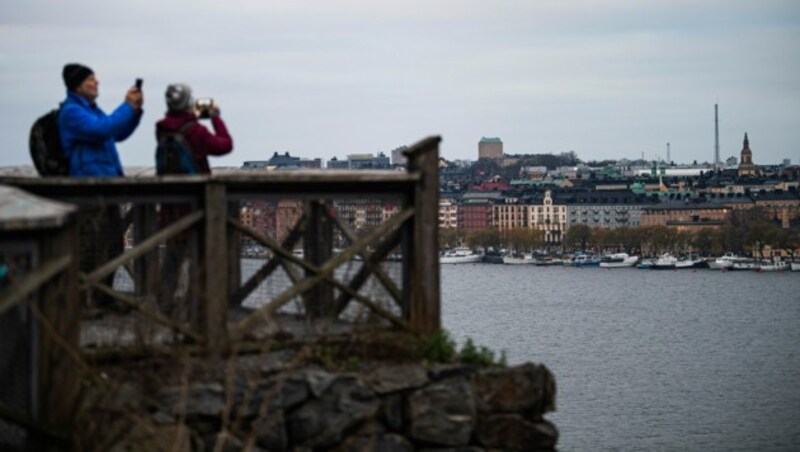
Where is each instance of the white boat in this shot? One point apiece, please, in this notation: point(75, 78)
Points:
point(548, 261)
point(618, 260)
point(744, 264)
point(796, 266)
point(459, 255)
point(517, 259)
point(665, 262)
point(771, 266)
point(725, 262)
point(583, 260)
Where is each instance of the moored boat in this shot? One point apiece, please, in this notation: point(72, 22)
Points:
point(665, 262)
point(771, 266)
point(583, 260)
point(519, 259)
point(795, 266)
point(548, 261)
point(725, 261)
point(744, 264)
point(459, 255)
point(690, 263)
point(618, 260)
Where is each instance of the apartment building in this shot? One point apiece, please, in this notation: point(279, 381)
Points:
point(538, 211)
point(608, 209)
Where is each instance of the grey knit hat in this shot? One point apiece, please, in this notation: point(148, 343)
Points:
point(179, 97)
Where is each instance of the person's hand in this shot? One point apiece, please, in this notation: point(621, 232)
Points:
point(134, 98)
point(213, 112)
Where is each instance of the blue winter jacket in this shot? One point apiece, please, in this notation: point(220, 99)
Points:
point(88, 135)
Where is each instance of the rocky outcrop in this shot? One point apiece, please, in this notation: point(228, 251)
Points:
point(386, 408)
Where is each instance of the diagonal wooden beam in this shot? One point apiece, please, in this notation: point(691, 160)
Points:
point(269, 266)
point(371, 265)
point(31, 282)
point(370, 262)
point(322, 274)
point(147, 245)
point(155, 316)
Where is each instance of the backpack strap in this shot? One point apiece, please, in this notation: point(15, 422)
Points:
point(179, 134)
point(186, 127)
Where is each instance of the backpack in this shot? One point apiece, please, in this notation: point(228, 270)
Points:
point(174, 155)
point(44, 143)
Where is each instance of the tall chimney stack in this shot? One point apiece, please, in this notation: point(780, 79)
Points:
point(716, 137)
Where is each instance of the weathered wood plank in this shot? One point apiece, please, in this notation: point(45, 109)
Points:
point(146, 273)
point(317, 249)
point(20, 210)
point(32, 282)
point(215, 265)
point(425, 309)
point(58, 312)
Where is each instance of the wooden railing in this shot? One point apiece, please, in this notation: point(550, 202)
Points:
point(217, 231)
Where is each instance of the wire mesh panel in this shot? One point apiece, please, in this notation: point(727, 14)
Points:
point(150, 298)
point(292, 240)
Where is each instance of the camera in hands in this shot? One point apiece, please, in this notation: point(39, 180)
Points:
point(204, 107)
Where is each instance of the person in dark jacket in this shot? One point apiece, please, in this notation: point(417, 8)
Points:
point(180, 111)
point(88, 135)
point(202, 143)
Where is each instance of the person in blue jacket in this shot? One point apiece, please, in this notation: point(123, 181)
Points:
point(88, 135)
point(89, 138)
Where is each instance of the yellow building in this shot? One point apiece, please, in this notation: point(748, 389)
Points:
point(538, 212)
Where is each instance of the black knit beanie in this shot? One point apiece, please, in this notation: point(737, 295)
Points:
point(74, 74)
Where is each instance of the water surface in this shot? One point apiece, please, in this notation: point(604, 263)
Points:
point(645, 360)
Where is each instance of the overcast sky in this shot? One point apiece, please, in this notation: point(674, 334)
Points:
point(322, 78)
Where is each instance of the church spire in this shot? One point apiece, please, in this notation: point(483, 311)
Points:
point(746, 141)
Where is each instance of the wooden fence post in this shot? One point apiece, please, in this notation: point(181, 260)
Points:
point(317, 249)
point(146, 269)
point(215, 265)
point(425, 311)
point(234, 239)
point(40, 370)
point(60, 376)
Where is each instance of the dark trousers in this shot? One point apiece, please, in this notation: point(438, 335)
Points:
point(101, 239)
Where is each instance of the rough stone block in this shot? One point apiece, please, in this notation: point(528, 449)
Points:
point(206, 399)
point(383, 443)
point(164, 438)
point(270, 431)
point(323, 422)
point(443, 413)
point(276, 393)
point(392, 412)
point(511, 431)
point(446, 371)
point(386, 379)
point(528, 387)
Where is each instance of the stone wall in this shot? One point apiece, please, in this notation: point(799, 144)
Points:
point(402, 407)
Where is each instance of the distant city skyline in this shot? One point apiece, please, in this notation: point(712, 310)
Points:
point(607, 80)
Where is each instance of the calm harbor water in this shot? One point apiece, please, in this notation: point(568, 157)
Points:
point(645, 360)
